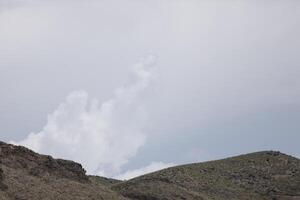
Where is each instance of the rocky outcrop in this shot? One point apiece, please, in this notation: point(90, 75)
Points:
point(26, 175)
point(18, 157)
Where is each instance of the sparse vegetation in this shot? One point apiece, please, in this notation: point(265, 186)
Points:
point(262, 175)
point(25, 175)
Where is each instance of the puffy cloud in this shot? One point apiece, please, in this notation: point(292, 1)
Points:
point(228, 70)
point(103, 137)
point(154, 166)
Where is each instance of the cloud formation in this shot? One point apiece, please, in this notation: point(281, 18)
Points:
point(228, 70)
point(103, 137)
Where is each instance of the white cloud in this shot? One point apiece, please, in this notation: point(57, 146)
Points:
point(223, 62)
point(103, 137)
point(154, 166)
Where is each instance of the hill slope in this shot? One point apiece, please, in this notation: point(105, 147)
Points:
point(25, 175)
point(262, 175)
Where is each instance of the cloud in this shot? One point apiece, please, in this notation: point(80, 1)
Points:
point(228, 70)
point(103, 137)
point(154, 166)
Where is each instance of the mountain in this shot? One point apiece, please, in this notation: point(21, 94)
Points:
point(262, 175)
point(26, 175)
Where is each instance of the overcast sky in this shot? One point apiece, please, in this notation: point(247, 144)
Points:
point(174, 81)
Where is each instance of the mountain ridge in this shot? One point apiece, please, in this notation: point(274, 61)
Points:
point(272, 175)
point(259, 175)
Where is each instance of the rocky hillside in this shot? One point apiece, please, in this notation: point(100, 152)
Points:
point(26, 175)
point(262, 175)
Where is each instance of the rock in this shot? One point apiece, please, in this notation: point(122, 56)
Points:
point(3, 187)
point(26, 175)
point(19, 157)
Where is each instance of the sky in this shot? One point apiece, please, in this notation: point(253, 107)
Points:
point(126, 87)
